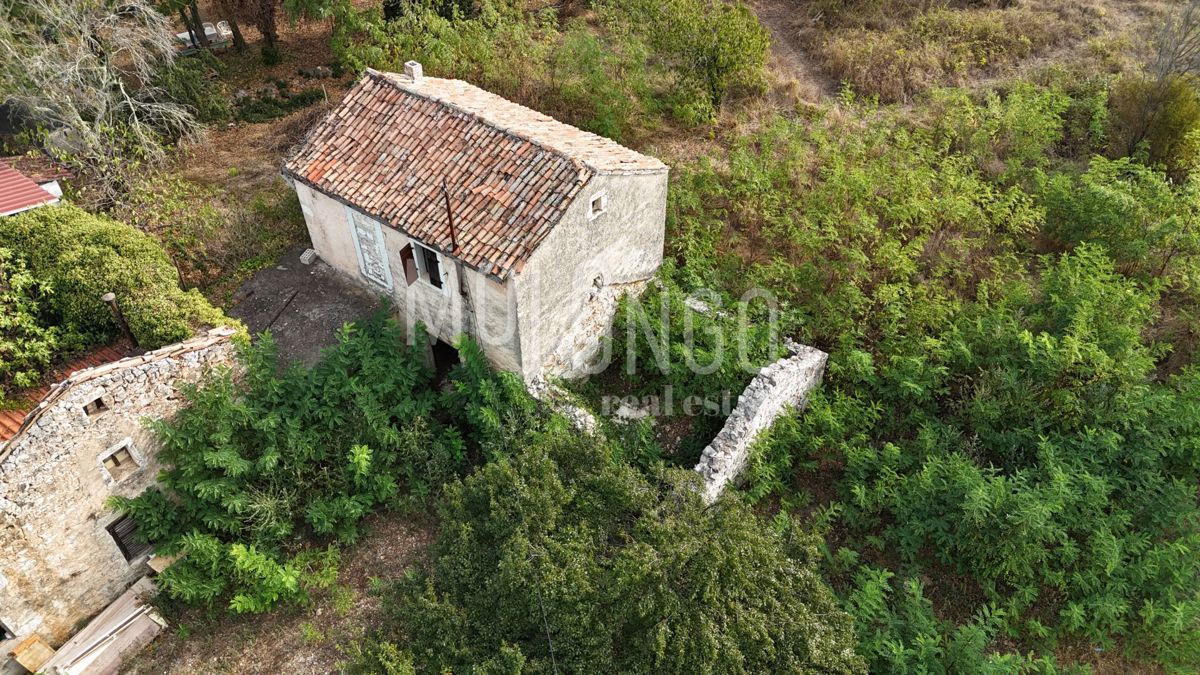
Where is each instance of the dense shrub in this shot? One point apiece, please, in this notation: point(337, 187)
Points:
point(1159, 120)
point(994, 423)
point(715, 45)
point(940, 47)
point(63, 260)
point(680, 57)
point(267, 108)
point(561, 559)
point(192, 82)
point(28, 342)
point(1148, 225)
point(261, 467)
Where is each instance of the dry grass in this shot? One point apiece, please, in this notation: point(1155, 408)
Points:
point(946, 46)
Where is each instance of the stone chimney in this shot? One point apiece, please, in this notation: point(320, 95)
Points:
point(413, 71)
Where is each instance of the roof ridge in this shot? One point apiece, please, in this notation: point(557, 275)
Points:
point(394, 80)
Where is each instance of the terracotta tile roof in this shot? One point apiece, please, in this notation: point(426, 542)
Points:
point(11, 420)
point(18, 193)
point(511, 172)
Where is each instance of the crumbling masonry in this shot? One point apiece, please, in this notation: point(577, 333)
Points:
point(86, 441)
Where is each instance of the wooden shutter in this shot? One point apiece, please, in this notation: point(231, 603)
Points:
point(409, 261)
point(124, 531)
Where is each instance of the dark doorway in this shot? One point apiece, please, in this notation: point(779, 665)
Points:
point(445, 357)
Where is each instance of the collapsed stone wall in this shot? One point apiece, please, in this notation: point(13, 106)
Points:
point(580, 351)
point(58, 563)
point(782, 385)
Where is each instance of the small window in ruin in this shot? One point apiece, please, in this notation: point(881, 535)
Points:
point(124, 531)
point(120, 462)
point(6, 633)
point(598, 205)
point(96, 407)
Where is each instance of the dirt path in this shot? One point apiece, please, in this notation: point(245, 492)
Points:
point(789, 60)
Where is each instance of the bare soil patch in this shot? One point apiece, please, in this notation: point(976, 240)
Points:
point(296, 640)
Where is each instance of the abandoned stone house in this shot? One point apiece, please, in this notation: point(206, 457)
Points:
point(479, 216)
point(64, 553)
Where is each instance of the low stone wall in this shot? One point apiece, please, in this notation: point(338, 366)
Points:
point(560, 401)
point(58, 562)
point(782, 385)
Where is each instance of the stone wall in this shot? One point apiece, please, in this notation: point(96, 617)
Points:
point(782, 385)
point(58, 563)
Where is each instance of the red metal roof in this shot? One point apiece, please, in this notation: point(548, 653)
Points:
point(19, 193)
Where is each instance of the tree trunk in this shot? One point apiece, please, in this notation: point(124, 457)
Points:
point(266, 25)
point(203, 36)
point(239, 42)
point(187, 23)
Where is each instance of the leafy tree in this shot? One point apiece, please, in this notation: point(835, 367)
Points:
point(560, 558)
point(717, 46)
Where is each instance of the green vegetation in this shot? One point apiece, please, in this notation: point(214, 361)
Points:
point(209, 233)
point(560, 557)
point(288, 456)
point(56, 265)
point(641, 57)
point(193, 83)
point(991, 417)
point(897, 50)
point(999, 473)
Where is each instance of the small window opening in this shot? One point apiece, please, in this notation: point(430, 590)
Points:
point(96, 407)
point(124, 531)
point(120, 463)
point(431, 266)
point(598, 205)
point(5, 632)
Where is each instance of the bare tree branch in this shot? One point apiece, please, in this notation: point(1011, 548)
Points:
point(82, 70)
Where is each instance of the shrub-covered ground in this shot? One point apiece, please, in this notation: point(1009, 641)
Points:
point(993, 232)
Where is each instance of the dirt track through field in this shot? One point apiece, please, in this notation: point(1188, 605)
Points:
point(784, 20)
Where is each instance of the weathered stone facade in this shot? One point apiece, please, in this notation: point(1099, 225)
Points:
point(478, 216)
point(59, 564)
point(782, 385)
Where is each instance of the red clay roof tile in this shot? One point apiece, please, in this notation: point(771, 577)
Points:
point(511, 172)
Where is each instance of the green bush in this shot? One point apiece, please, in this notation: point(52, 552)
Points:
point(1148, 224)
point(1159, 120)
point(559, 548)
point(28, 342)
point(59, 262)
point(259, 469)
point(269, 108)
point(192, 81)
point(83, 256)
